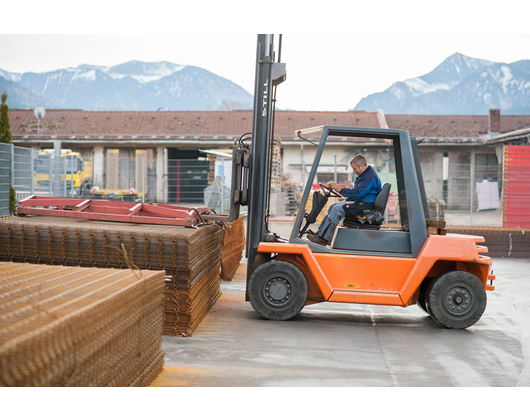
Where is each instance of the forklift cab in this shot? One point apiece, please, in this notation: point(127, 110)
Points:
point(370, 238)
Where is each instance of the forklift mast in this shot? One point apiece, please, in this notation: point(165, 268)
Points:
point(268, 75)
point(251, 165)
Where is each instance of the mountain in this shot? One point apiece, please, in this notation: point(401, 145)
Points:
point(19, 96)
point(459, 85)
point(132, 86)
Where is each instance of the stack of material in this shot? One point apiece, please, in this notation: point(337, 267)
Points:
point(194, 302)
point(196, 287)
point(233, 246)
point(501, 242)
point(516, 186)
point(436, 227)
point(72, 326)
point(188, 256)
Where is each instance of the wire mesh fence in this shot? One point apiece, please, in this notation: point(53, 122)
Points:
point(461, 193)
point(5, 177)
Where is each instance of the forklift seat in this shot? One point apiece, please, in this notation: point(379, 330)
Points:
point(319, 202)
point(372, 219)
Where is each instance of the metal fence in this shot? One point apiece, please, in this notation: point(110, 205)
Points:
point(5, 177)
point(462, 194)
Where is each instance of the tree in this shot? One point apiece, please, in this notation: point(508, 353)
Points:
point(5, 137)
point(5, 128)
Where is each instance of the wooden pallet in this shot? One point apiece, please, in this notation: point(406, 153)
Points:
point(436, 227)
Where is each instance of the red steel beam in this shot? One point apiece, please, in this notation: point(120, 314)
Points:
point(114, 211)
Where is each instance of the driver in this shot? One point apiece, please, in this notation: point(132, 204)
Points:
point(361, 197)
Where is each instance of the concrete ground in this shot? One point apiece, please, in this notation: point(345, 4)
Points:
point(476, 218)
point(341, 345)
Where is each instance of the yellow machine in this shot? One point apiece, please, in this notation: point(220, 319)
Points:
point(79, 176)
point(117, 195)
point(78, 172)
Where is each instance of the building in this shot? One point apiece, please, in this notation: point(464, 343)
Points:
point(164, 141)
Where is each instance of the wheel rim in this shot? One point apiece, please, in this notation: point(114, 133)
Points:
point(458, 300)
point(278, 291)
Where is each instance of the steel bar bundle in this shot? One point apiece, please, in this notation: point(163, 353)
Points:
point(184, 253)
point(501, 241)
point(74, 326)
point(233, 246)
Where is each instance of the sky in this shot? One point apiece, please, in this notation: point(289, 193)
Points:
point(336, 53)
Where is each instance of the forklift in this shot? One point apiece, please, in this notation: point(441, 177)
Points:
point(365, 263)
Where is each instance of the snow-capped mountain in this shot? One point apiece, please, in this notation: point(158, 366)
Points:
point(459, 85)
point(132, 86)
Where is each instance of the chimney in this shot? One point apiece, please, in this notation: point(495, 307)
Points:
point(381, 119)
point(495, 121)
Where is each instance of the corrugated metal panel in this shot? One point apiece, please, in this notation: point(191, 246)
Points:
point(516, 189)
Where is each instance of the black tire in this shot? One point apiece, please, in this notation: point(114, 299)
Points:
point(422, 304)
point(456, 299)
point(278, 290)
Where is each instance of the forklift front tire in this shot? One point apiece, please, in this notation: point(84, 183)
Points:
point(278, 290)
point(456, 299)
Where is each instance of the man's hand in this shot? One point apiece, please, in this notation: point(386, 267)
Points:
point(334, 186)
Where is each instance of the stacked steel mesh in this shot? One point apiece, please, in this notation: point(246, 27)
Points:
point(73, 326)
point(190, 257)
point(501, 242)
point(233, 245)
point(196, 287)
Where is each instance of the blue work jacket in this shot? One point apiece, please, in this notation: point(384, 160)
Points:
point(365, 188)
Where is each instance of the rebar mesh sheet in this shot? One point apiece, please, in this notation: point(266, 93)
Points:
point(185, 254)
point(73, 326)
point(54, 240)
point(233, 246)
point(501, 241)
point(194, 304)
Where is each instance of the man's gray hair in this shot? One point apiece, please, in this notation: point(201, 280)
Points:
point(358, 160)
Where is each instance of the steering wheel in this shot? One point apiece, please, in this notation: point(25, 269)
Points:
point(328, 192)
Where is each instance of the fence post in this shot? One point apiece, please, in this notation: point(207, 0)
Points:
point(143, 180)
point(12, 165)
point(32, 171)
point(471, 179)
point(335, 170)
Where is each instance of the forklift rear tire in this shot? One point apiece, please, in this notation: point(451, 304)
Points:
point(456, 299)
point(278, 290)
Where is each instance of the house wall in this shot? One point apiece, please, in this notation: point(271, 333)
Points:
point(456, 190)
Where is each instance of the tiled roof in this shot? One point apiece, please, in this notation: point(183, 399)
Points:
point(440, 125)
point(456, 126)
point(104, 125)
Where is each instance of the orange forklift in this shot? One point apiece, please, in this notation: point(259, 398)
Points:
point(365, 263)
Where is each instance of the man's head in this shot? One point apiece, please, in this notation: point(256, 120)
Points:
point(358, 164)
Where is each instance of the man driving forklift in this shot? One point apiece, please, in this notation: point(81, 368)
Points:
point(360, 198)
